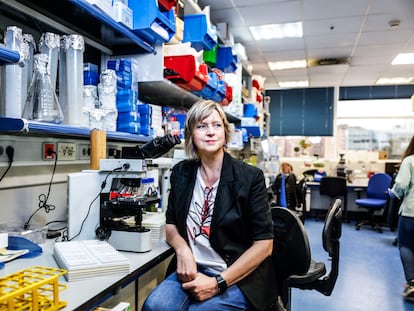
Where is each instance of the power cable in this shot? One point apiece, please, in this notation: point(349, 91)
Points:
point(10, 155)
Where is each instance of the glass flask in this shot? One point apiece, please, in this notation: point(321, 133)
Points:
point(42, 103)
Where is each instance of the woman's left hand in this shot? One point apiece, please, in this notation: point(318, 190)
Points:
point(202, 287)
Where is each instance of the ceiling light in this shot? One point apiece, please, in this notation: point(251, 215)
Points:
point(399, 80)
point(291, 84)
point(403, 59)
point(277, 31)
point(300, 63)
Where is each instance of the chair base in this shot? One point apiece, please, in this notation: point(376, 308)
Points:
point(374, 226)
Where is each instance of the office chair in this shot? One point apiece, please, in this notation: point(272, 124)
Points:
point(375, 200)
point(335, 187)
point(294, 266)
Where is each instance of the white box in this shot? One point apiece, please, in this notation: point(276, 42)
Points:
point(123, 14)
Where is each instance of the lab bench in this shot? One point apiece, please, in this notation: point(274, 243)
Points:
point(91, 292)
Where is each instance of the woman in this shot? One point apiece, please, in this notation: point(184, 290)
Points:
point(403, 188)
point(291, 196)
point(219, 224)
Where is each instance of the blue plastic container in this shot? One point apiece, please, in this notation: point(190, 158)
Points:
point(145, 130)
point(122, 64)
point(90, 78)
point(210, 88)
point(129, 127)
point(145, 110)
point(197, 32)
point(226, 61)
point(221, 91)
point(129, 116)
point(146, 14)
point(249, 110)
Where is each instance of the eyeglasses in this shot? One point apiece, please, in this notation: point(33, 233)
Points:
point(203, 127)
point(206, 205)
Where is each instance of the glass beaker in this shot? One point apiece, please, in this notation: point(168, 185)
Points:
point(41, 102)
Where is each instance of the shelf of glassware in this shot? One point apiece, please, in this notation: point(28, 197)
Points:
point(77, 16)
point(8, 56)
point(23, 126)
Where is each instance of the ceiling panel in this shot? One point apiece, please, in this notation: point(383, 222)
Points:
point(355, 29)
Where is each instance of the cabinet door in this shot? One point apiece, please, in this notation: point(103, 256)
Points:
point(304, 112)
point(318, 112)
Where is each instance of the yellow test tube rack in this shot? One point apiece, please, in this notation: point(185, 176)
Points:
point(34, 288)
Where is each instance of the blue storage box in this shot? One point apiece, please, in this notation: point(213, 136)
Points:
point(129, 116)
point(145, 130)
point(90, 67)
point(250, 110)
point(90, 78)
point(126, 100)
point(221, 91)
point(226, 61)
point(129, 127)
point(121, 64)
point(150, 23)
point(145, 109)
point(210, 88)
point(251, 131)
point(197, 32)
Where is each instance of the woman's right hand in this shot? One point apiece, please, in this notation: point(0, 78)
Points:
point(186, 266)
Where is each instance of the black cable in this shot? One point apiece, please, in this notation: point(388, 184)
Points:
point(118, 169)
point(44, 198)
point(10, 155)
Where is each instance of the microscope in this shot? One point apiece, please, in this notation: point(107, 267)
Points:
point(121, 209)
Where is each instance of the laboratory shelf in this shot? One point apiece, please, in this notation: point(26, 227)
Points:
point(8, 56)
point(76, 16)
point(166, 93)
point(22, 126)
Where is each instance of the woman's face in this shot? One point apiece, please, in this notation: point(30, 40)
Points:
point(208, 135)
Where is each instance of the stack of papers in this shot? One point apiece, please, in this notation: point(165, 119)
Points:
point(156, 223)
point(84, 259)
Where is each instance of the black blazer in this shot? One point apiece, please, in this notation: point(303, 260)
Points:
point(241, 215)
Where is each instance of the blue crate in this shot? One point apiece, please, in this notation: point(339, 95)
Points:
point(226, 61)
point(220, 92)
point(129, 127)
point(146, 14)
point(129, 116)
point(122, 64)
point(210, 89)
point(197, 32)
point(145, 130)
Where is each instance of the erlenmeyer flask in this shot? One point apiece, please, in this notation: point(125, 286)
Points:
point(42, 103)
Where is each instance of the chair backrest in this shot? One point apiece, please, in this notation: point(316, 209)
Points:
point(291, 250)
point(378, 185)
point(333, 186)
point(331, 235)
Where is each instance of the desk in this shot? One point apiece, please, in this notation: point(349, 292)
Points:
point(89, 293)
point(315, 201)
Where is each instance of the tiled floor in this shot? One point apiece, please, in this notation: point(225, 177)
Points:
point(370, 273)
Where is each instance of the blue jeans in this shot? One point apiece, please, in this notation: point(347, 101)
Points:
point(406, 245)
point(169, 296)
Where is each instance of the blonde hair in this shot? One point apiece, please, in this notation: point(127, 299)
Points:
point(197, 113)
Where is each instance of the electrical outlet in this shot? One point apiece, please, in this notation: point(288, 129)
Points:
point(66, 151)
point(48, 151)
point(84, 152)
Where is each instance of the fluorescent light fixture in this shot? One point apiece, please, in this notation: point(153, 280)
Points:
point(397, 80)
point(290, 84)
point(403, 59)
point(290, 64)
point(277, 31)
